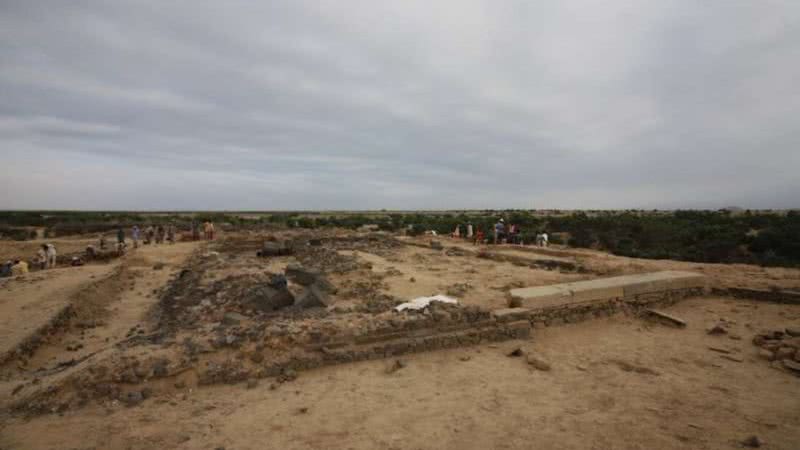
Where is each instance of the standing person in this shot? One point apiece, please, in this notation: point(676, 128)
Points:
point(41, 257)
point(499, 230)
point(120, 240)
point(159, 234)
point(135, 236)
point(195, 230)
point(149, 234)
point(479, 236)
point(469, 230)
point(171, 233)
point(51, 256)
point(515, 237)
point(545, 239)
point(210, 230)
point(457, 231)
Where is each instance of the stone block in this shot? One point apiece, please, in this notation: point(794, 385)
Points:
point(313, 297)
point(511, 314)
point(600, 291)
point(301, 275)
point(542, 296)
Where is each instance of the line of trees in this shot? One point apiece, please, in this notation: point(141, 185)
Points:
point(700, 236)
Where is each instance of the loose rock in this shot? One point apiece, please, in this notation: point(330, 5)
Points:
point(313, 297)
point(517, 352)
point(784, 353)
point(766, 354)
point(396, 365)
point(753, 442)
point(133, 398)
point(538, 363)
point(233, 318)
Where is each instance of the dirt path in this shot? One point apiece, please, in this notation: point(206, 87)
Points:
point(614, 383)
point(30, 301)
point(146, 270)
point(110, 303)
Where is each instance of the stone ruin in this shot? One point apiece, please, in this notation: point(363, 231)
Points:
point(781, 348)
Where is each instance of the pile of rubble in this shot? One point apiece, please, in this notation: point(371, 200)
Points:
point(375, 243)
point(781, 347)
point(276, 248)
point(252, 294)
point(328, 260)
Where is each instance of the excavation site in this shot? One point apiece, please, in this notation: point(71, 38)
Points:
point(363, 339)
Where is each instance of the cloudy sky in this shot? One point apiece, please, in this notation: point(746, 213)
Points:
point(399, 104)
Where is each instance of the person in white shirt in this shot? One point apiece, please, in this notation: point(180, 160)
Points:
point(51, 256)
point(41, 257)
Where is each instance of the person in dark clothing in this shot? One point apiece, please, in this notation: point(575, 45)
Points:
point(121, 240)
point(5, 269)
point(195, 230)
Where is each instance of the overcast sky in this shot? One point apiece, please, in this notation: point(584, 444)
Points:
point(399, 104)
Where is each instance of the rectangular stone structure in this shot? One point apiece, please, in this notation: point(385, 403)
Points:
point(603, 289)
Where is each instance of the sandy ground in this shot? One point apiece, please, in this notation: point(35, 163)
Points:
point(115, 303)
point(26, 250)
point(616, 383)
point(472, 280)
point(28, 302)
point(600, 264)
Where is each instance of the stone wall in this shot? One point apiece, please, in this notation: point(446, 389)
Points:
point(767, 295)
point(573, 312)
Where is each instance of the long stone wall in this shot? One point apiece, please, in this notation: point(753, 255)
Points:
point(574, 302)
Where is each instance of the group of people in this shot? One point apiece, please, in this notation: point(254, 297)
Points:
point(501, 234)
point(154, 235)
point(46, 255)
point(208, 230)
point(511, 234)
point(45, 259)
point(157, 235)
point(13, 268)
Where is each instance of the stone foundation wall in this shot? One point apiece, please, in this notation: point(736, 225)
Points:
point(767, 295)
point(458, 330)
point(403, 343)
point(578, 312)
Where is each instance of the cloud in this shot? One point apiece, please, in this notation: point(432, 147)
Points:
point(378, 104)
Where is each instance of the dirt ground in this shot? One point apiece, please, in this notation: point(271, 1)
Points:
point(26, 250)
point(31, 300)
point(614, 383)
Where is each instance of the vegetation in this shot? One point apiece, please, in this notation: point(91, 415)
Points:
point(702, 236)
